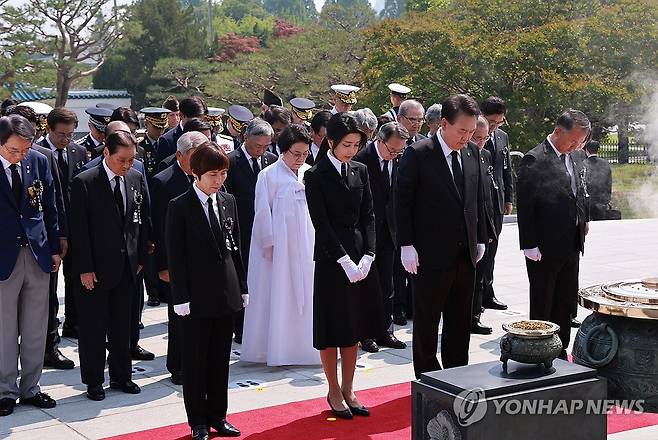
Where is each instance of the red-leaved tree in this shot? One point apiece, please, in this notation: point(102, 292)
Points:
point(232, 44)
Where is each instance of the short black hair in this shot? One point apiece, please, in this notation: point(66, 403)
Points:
point(126, 115)
point(208, 157)
point(592, 147)
point(61, 115)
point(493, 105)
point(118, 139)
point(342, 124)
point(6, 104)
point(293, 134)
point(456, 104)
point(196, 124)
point(192, 107)
point(171, 103)
point(15, 125)
point(276, 113)
point(321, 119)
point(571, 118)
point(383, 119)
point(23, 110)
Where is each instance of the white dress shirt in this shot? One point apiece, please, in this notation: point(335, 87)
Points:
point(122, 187)
point(5, 166)
point(54, 149)
point(203, 198)
point(248, 156)
point(314, 150)
point(447, 152)
point(381, 162)
point(94, 140)
point(567, 161)
point(335, 162)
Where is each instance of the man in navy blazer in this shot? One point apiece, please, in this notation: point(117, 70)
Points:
point(29, 239)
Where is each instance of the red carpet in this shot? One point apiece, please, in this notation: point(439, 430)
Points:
point(308, 420)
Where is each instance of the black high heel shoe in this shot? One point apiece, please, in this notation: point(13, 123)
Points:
point(357, 410)
point(341, 414)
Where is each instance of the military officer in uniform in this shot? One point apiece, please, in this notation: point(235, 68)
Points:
point(302, 111)
point(269, 98)
point(344, 97)
point(214, 118)
point(238, 118)
point(399, 93)
point(173, 117)
point(98, 120)
point(41, 110)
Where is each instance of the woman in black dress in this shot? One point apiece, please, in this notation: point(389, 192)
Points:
point(347, 304)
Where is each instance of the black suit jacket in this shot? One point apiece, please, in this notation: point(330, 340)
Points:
point(342, 214)
point(62, 223)
point(166, 144)
point(599, 180)
point(431, 214)
point(165, 186)
point(490, 191)
point(165, 163)
point(207, 275)
point(100, 241)
point(547, 208)
point(383, 197)
point(241, 182)
point(502, 169)
point(77, 158)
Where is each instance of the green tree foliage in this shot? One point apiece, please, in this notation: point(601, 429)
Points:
point(540, 56)
point(392, 9)
point(296, 11)
point(347, 15)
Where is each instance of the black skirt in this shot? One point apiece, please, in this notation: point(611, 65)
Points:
point(345, 313)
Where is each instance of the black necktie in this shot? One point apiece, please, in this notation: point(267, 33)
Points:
point(118, 197)
point(563, 158)
point(255, 166)
point(214, 224)
point(410, 141)
point(457, 173)
point(190, 178)
point(343, 172)
point(385, 176)
point(16, 184)
point(63, 168)
point(491, 146)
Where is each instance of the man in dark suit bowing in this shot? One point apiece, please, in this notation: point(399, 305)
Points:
point(441, 233)
point(245, 164)
point(109, 225)
point(411, 115)
point(381, 158)
point(553, 218)
point(494, 111)
point(167, 185)
point(189, 108)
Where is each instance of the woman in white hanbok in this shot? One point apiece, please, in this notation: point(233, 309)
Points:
point(278, 323)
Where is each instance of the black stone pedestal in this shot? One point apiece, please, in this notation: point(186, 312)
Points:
point(481, 402)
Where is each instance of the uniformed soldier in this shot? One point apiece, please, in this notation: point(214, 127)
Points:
point(302, 111)
point(269, 98)
point(344, 97)
point(214, 118)
point(399, 93)
point(238, 118)
point(173, 117)
point(155, 122)
point(98, 120)
point(41, 110)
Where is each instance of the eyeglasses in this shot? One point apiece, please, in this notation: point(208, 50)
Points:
point(299, 156)
point(477, 140)
point(415, 121)
point(392, 152)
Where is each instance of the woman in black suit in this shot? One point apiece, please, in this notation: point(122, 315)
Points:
point(208, 287)
point(347, 304)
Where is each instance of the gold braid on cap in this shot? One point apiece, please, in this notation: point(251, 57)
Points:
point(215, 122)
point(42, 122)
point(159, 121)
point(347, 98)
point(304, 115)
point(100, 126)
point(237, 125)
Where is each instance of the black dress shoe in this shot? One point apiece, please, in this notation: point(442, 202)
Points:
point(96, 392)
point(153, 301)
point(399, 318)
point(575, 323)
point(358, 410)
point(225, 429)
point(369, 345)
point(139, 354)
point(55, 359)
point(238, 339)
point(341, 414)
point(128, 387)
point(69, 332)
point(7, 406)
point(477, 328)
point(40, 400)
point(494, 304)
point(390, 341)
point(200, 433)
point(177, 378)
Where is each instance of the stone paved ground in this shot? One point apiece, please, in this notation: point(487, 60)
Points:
point(615, 250)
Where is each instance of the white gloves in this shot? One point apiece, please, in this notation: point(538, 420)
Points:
point(365, 264)
point(480, 254)
point(409, 258)
point(245, 299)
point(182, 309)
point(352, 271)
point(268, 253)
point(532, 254)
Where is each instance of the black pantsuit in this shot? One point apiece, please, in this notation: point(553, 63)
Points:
point(104, 311)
